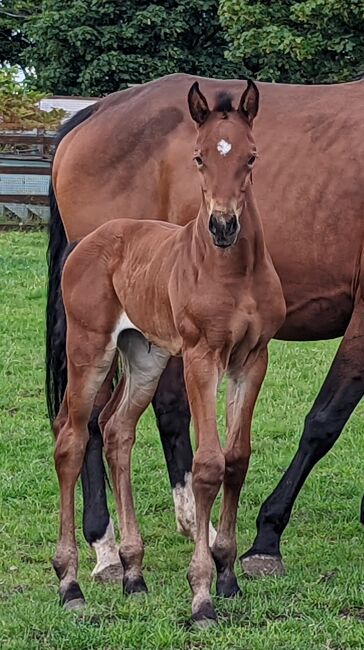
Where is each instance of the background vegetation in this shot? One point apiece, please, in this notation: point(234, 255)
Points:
point(19, 105)
point(93, 48)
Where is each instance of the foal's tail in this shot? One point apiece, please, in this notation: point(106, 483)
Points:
point(56, 362)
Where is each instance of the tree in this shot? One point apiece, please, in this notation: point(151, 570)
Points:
point(92, 48)
point(19, 106)
point(313, 41)
point(13, 40)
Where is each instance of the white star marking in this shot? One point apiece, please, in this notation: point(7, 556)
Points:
point(223, 147)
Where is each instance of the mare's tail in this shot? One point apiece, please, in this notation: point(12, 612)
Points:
point(56, 363)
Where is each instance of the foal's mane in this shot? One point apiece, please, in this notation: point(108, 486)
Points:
point(223, 103)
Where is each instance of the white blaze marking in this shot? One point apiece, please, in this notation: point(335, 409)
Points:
point(223, 147)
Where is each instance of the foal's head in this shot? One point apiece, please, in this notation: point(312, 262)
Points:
point(225, 153)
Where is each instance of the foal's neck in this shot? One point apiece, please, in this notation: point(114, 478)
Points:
point(249, 249)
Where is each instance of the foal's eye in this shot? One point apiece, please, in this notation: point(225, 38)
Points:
point(198, 160)
point(252, 160)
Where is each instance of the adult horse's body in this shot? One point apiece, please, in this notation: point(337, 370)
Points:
point(131, 154)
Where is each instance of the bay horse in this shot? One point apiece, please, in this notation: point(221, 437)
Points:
point(207, 292)
point(130, 154)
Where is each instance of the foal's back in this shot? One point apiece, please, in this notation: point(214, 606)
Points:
point(113, 263)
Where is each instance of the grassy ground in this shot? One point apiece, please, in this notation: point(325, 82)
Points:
point(318, 605)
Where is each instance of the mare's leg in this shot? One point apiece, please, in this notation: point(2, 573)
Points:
point(243, 392)
point(202, 375)
point(338, 397)
point(98, 527)
point(142, 365)
point(172, 411)
point(84, 379)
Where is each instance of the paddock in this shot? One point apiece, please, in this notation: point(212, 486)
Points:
point(318, 604)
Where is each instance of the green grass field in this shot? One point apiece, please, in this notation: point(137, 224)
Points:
point(318, 605)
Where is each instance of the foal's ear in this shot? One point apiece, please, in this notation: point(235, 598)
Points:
point(249, 102)
point(198, 105)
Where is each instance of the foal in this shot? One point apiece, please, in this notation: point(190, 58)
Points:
point(207, 291)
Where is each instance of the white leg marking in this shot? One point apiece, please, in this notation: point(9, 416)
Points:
point(184, 505)
point(107, 554)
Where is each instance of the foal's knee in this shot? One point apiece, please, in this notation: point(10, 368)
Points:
point(236, 467)
point(118, 441)
point(208, 471)
point(70, 447)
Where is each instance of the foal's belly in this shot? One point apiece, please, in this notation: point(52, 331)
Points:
point(171, 342)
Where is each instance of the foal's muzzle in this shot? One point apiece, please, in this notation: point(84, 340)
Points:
point(224, 229)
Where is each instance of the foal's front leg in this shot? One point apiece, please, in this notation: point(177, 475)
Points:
point(243, 391)
point(202, 375)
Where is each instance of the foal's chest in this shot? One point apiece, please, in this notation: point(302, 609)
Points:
point(223, 317)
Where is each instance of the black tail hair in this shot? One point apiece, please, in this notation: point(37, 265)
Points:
point(56, 363)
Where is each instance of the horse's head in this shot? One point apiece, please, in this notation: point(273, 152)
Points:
point(225, 153)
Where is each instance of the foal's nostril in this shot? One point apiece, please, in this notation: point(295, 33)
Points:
point(231, 225)
point(212, 225)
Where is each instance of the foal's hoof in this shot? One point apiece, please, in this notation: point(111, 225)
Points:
point(259, 565)
point(227, 586)
point(204, 617)
point(134, 586)
point(72, 598)
point(112, 573)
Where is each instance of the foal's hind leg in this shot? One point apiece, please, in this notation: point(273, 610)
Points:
point(143, 365)
point(84, 380)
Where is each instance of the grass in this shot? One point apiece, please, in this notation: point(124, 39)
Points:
point(318, 605)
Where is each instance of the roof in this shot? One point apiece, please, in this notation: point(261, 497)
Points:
point(69, 104)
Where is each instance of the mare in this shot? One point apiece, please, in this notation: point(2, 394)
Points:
point(207, 292)
point(130, 154)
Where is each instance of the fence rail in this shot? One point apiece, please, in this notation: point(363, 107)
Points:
point(6, 137)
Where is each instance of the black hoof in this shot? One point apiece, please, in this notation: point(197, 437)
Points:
point(260, 565)
point(362, 511)
point(72, 597)
point(205, 616)
point(134, 586)
point(227, 586)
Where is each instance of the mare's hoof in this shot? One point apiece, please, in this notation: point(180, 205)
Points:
point(72, 598)
point(112, 573)
point(205, 616)
point(259, 565)
point(134, 586)
point(75, 605)
point(227, 586)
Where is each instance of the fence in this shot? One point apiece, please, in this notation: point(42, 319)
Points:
point(25, 167)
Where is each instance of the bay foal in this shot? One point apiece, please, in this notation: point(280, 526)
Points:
point(208, 292)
